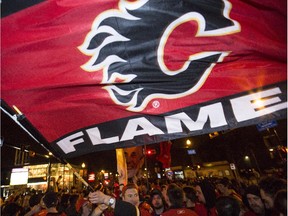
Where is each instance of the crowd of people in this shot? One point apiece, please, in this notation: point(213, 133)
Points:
point(205, 197)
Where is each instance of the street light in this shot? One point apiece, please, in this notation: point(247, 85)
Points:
point(188, 142)
point(83, 165)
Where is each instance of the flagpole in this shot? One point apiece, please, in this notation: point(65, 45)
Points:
point(26, 125)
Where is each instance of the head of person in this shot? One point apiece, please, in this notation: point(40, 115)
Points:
point(222, 185)
point(252, 199)
point(73, 190)
point(130, 193)
point(174, 196)
point(269, 186)
point(280, 202)
point(227, 206)
point(205, 193)
point(189, 194)
point(50, 199)
point(84, 193)
point(11, 209)
point(156, 199)
point(73, 199)
point(35, 199)
point(134, 156)
point(64, 201)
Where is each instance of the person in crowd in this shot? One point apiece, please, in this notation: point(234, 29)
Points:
point(190, 197)
point(83, 205)
point(25, 204)
point(73, 190)
point(280, 202)
point(1, 201)
point(130, 193)
point(155, 185)
point(144, 191)
point(206, 195)
point(63, 203)
point(269, 186)
point(174, 198)
point(50, 200)
point(11, 209)
point(252, 199)
point(157, 202)
point(223, 187)
point(37, 207)
point(164, 188)
point(71, 209)
point(121, 208)
point(227, 206)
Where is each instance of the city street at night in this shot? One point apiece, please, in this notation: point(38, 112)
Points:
point(143, 107)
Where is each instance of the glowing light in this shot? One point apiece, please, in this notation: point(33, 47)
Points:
point(188, 142)
point(17, 110)
point(259, 103)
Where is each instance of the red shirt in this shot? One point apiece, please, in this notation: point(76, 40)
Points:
point(179, 211)
point(201, 210)
point(249, 213)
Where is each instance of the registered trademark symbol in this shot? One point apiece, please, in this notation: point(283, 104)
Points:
point(156, 104)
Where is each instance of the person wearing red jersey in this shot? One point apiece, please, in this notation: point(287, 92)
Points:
point(174, 197)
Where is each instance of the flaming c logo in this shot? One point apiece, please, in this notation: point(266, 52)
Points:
point(129, 46)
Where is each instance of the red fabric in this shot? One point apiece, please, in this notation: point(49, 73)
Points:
point(42, 66)
point(144, 212)
point(249, 213)
point(165, 157)
point(201, 210)
point(43, 212)
point(181, 212)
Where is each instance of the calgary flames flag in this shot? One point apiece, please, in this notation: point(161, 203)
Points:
point(96, 75)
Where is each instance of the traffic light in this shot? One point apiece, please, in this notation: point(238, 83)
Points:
point(150, 152)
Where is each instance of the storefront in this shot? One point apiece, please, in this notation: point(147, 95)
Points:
point(36, 177)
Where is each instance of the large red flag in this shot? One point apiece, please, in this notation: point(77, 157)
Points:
point(95, 75)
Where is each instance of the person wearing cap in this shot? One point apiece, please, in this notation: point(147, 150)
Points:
point(253, 201)
point(157, 202)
